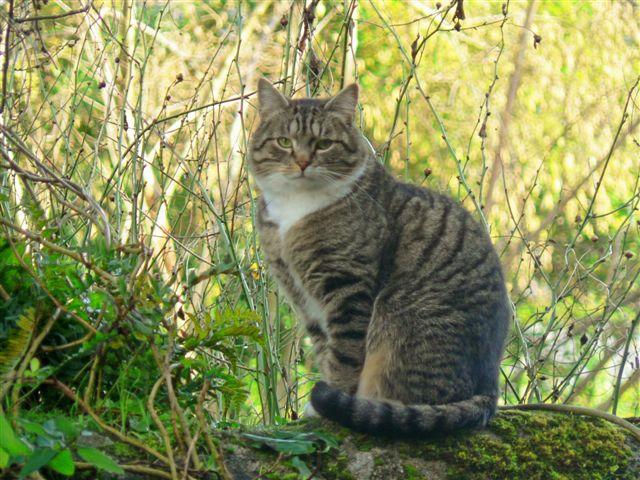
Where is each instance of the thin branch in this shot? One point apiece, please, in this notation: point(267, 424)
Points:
point(70, 13)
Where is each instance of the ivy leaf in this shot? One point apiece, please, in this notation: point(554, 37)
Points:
point(10, 441)
point(291, 446)
point(4, 458)
point(67, 427)
point(100, 460)
point(38, 459)
point(302, 468)
point(63, 463)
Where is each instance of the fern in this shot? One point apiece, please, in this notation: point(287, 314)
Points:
point(17, 342)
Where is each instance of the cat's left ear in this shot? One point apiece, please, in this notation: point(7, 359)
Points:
point(269, 99)
point(345, 102)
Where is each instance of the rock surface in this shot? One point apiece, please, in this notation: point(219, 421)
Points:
point(516, 445)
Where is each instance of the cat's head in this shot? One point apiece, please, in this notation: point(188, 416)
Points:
point(306, 143)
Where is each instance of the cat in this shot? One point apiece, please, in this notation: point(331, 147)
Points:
point(399, 288)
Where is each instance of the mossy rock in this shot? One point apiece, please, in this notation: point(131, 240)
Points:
point(516, 445)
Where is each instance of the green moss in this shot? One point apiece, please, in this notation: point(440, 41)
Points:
point(412, 472)
point(525, 445)
point(337, 470)
point(229, 448)
point(365, 445)
point(123, 450)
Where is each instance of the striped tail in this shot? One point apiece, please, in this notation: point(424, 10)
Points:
point(398, 420)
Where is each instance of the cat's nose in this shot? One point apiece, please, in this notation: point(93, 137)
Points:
point(302, 160)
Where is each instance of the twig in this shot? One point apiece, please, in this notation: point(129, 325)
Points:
point(57, 248)
point(85, 9)
point(132, 468)
point(116, 433)
point(616, 390)
point(161, 427)
point(587, 215)
point(5, 65)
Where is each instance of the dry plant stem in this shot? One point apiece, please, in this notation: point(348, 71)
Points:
point(551, 216)
point(411, 60)
point(584, 381)
point(588, 215)
point(90, 388)
point(154, 472)
point(623, 363)
point(461, 175)
point(75, 343)
point(85, 9)
point(112, 431)
point(190, 451)
point(592, 412)
point(159, 121)
point(163, 431)
point(631, 382)
point(69, 185)
point(5, 65)
point(505, 117)
point(165, 368)
point(205, 427)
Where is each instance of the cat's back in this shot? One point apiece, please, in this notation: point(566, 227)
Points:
point(440, 245)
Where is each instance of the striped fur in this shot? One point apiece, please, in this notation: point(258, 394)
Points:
point(399, 287)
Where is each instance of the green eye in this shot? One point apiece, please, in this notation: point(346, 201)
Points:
point(284, 142)
point(323, 144)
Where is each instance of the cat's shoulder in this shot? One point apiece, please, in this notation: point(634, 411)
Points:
point(409, 197)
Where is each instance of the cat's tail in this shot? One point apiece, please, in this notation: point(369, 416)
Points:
point(398, 420)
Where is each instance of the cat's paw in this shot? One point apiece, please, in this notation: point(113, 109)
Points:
point(309, 411)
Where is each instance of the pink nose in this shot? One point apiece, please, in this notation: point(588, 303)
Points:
point(303, 164)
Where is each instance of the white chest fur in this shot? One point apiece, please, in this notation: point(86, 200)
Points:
point(286, 209)
point(286, 205)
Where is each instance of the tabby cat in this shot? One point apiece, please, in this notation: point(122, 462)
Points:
point(398, 286)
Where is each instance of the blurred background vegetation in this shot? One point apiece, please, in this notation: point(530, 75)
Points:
point(134, 298)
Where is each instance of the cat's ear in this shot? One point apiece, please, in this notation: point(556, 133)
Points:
point(269, 99)
point(345, 102)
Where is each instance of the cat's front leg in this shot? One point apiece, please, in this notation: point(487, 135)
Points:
point(343, 355)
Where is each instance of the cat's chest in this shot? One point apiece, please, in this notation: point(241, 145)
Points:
point(284, 211)
point(288, 276)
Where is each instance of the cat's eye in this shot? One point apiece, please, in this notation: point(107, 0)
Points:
point(284, 142)
point(324, 144)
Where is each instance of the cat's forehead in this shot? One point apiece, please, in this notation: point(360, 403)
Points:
point(307, 117)
point(309, 106)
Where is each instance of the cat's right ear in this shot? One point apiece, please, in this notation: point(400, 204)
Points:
point(269, 99)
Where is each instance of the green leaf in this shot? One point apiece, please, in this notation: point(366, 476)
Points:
point(32, 427)
point(37, 460)
point(34, 364)
point(4, 458)
point(67, 427)
point(63, 463)
point(10, 441)
point(100, 460)
point(302, 468)
point(284, 445)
